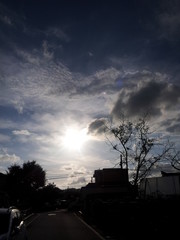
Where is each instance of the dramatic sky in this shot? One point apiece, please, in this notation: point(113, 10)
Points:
point(65, 66)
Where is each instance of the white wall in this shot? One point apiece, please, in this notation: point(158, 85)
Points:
point(161, 186)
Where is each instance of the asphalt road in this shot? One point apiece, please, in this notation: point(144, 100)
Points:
point(60, 225)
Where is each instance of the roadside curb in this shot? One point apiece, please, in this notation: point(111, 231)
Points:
point(78, 215)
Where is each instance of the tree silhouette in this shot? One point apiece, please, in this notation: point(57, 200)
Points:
point(33, 175)
point(139, 148)
point(175, 159)
point(48, 197)
point(14, 183)
point(22, 182)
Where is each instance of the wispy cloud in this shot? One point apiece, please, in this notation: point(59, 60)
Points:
point(7, 124)
point(4, 138)
point(46, 52)
point(169, 20)
point(21, 132)
point(58, 33)
point(102, 81)
point(6, 20)
point(7, 159)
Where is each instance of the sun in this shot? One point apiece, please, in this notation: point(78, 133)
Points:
point(74, 138)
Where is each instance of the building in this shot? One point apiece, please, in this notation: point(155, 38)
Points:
point(108, 184)
point(166, 186)
point(111, 177)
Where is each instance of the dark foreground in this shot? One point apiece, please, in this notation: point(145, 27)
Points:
point(59, 225)
point(112, 220)
point(157, 219)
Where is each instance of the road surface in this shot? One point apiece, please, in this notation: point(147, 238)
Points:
point(60, 225)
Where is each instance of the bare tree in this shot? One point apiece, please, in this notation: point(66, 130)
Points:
point(175, 159)
point(139, 148)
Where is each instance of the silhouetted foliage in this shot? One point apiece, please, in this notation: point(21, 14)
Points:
point(33, 174)
point(48, 197)
point(22, 182)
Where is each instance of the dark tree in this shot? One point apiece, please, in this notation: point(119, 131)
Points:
point(14, 183)
point(175, 159)
point(22, 182)
point(33, 175)
point(48, 197)
point(139, 148)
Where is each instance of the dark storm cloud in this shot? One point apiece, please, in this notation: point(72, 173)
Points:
point(172, 124)
point(174, 128)
point(97, 127)
point(148, 96)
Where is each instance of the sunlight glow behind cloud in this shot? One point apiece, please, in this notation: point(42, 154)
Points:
point(74, 139)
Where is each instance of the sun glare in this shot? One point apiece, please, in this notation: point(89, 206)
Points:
point(74, 139)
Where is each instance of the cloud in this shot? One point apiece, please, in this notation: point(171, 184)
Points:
point(7, 159)
point(80, 181)
point(169, 20)
point(30, 57)
point(5, 19)
point(21, 132)
point(4, 138)
point(152, 95)
point(171, 124)
point(90, 54)
point(46, 52)
point(78, 172)
point(97, 127)
point(70, 174)
point(6, 15)
point(144, 92)
point(33, 81)
point(73, 169)
point(40, 80)
point(102, 81)
point(58, 33)
point(174, 128)
point(7, 124)
point(18, 104)
point(24, 136)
